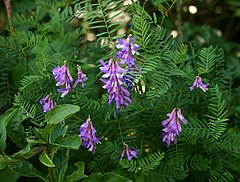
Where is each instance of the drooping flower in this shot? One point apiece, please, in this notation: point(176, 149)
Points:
point(47, 103)
point(128, 49)
point(172, 126)
point(63, 77)
point(130, 153)
point(198, 83)
point(88, 136)
point(114, 85)
point(81, 78)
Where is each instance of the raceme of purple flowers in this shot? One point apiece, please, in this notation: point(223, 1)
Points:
point(198, 83)
point(172, 126)
point(47, 103)
point(88, 136)
point(118, 76)
point(130, 153)
point(63, 77)
point(128, 49)
point(114, 85)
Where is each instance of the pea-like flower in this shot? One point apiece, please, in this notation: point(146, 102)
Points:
point(47, 103)
point(88, 136)
point(172, 126)
point(198, 83)
point(114, 85)
point(63, 76)
point(81, 78)
point(130, 153)
point(128, 49)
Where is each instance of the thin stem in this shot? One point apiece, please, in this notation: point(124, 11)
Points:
point(179, 19)
point(120, 130)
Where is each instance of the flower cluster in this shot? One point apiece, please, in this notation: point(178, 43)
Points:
point(130, 153)
point(118, 76)
point(172, 126)
point(128, 49)
point(88, 136)
point(114, 85)
point(198, 83)
point(47, 103)
point(63, 77)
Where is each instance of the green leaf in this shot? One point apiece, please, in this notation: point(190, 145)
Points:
point(16, 130)
point(60, 159)
point(108, 177)
point(72, 142)
point(46, 160)
point(60, 112)
point(4, 161)
point(56, 131)
point(4, 120)
point(77, 174)
point(7, 175)
point(25, 168)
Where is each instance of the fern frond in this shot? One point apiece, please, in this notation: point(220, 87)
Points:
point(221, 176)
point(85, 102)
point(196, 129)
point(198, 162)
point(27, 108)
point(180, 54)
point(29, 80)
point(218, 116)
point(207, 59)
point(143, 165)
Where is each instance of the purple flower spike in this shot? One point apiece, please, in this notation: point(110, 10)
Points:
point(114, 85)
point(172, 126)
point(47, 103)
point(88, 136)
point(130, 153)
point(128, 49)
point(198, 83)
point(81, 78)
point(63, 76)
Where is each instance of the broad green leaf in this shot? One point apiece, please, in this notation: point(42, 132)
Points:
point(44, 158)
point(72, 142)
point(4, 120)
point(4, 161)
point(60, 159)
point(7, 175)
point(60, 112)
point(16, 130)
point(56, 131)
point(77, 174)
point(25, 168)
point(108, 177)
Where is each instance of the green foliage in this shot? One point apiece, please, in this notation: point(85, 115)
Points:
point(47, 146)
point(143, 165)
point(218, 116)
point(207, 59)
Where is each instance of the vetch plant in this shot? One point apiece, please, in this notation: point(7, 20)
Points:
point(46, 132)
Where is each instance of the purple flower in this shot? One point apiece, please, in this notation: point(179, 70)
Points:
point(114, 85)
point(172, 126)
point(88, 136)
point(81, 78)
point(130, 153)
point(63, 76)
point(47, 103)
point(128, 49)
point(198, 83)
